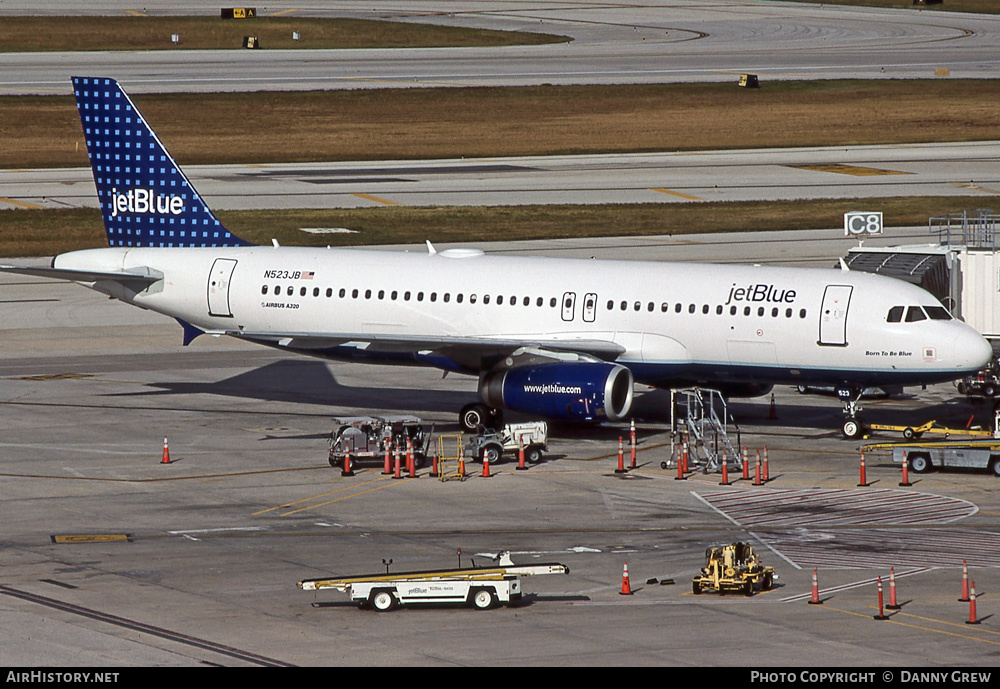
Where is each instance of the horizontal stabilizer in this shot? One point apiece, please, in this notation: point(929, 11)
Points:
point(83, 275)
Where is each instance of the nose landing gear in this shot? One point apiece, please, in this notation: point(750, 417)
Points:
point(854, 427)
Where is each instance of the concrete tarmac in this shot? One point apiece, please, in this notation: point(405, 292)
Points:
point(111, 558)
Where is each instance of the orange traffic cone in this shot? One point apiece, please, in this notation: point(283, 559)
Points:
point(626, 587)
point(166, 452)
point(486, 464)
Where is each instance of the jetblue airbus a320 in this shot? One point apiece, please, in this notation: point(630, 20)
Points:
point(560, 338)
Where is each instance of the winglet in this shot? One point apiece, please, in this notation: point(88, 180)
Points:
point(430, 248)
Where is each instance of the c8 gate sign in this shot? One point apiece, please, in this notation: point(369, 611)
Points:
point(861, 223)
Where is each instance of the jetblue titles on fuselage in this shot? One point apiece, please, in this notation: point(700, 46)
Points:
point(760, 293)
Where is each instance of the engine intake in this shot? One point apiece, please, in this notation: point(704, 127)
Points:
point(568, 391)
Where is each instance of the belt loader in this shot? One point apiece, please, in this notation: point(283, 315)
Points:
point(480, 587)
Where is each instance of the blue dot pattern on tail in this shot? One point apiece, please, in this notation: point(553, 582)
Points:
point(145, 198)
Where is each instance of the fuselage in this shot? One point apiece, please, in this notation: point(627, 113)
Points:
point(675, 323)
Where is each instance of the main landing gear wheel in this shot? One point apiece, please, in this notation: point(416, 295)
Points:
point(474, 417)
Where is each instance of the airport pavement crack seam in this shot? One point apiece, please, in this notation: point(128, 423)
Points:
point(855, 528)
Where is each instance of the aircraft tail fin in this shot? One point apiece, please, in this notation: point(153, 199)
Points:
point(146, 200)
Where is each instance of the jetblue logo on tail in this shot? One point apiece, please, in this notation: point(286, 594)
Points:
point(146, 200)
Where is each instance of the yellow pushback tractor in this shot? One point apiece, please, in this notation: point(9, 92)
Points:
point(733, 568)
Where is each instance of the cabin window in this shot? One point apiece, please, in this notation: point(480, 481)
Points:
point(638, 306)
point(774, 312)
point(624, 305)
point(302, 292)
point(406, 296)
point(368, 294)
point(690, 308)
point(499, 300)
point(527, 301)
point(486, 299)
point(704, 309)
point(895, 314)
point(263, 290)
point(434, 296)
point(420, 296)
point(664, 306)
point(472, 298)
point(381, 294)
point(393, 295)
point(329, 292)
point(718, 310)
point(290, 290)
point(458, 297)
point(746, 310)
point(732, 310)
point(552, 302)
point(677, 307)
point(354, 294)
point(802, 313)
point(650, 307)
point(788, 313)
point(539, 302)
point(315, 291)
point(611, 305)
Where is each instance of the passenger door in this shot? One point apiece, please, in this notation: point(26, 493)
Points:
point(833, 316)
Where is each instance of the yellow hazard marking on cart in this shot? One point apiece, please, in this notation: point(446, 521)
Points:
point(92, 538)
point(856, 170)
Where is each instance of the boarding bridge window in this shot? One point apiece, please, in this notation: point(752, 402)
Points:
point(938, 313)
point(914, 314)
point(895, 314)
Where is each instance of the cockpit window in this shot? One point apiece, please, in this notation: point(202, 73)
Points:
point(895, 314)
point(938, 313)
point(915, 313)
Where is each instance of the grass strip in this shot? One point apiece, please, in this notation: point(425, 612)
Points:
point(85, 33)
point(435, 123)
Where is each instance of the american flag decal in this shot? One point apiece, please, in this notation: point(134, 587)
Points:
point(307, 275)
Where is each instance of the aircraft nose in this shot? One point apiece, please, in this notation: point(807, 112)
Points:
point(977, 351)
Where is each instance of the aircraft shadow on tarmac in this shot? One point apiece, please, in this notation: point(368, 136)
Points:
point(311, 382)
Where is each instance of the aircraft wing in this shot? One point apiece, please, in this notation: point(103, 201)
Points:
point(476, 353)
point(83, 275)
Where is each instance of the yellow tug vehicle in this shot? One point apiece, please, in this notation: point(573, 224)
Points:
point(733, 568)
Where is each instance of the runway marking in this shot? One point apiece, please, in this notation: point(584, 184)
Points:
point(20, 204)
point(678, 194)
point(376, 199)
point(330, 502)
point(853, 528)
point(855, 170)
point(314, 497)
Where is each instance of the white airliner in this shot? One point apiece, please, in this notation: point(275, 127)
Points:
point(560, 338)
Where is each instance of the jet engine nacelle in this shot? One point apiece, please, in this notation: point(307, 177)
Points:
point(568, 391)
